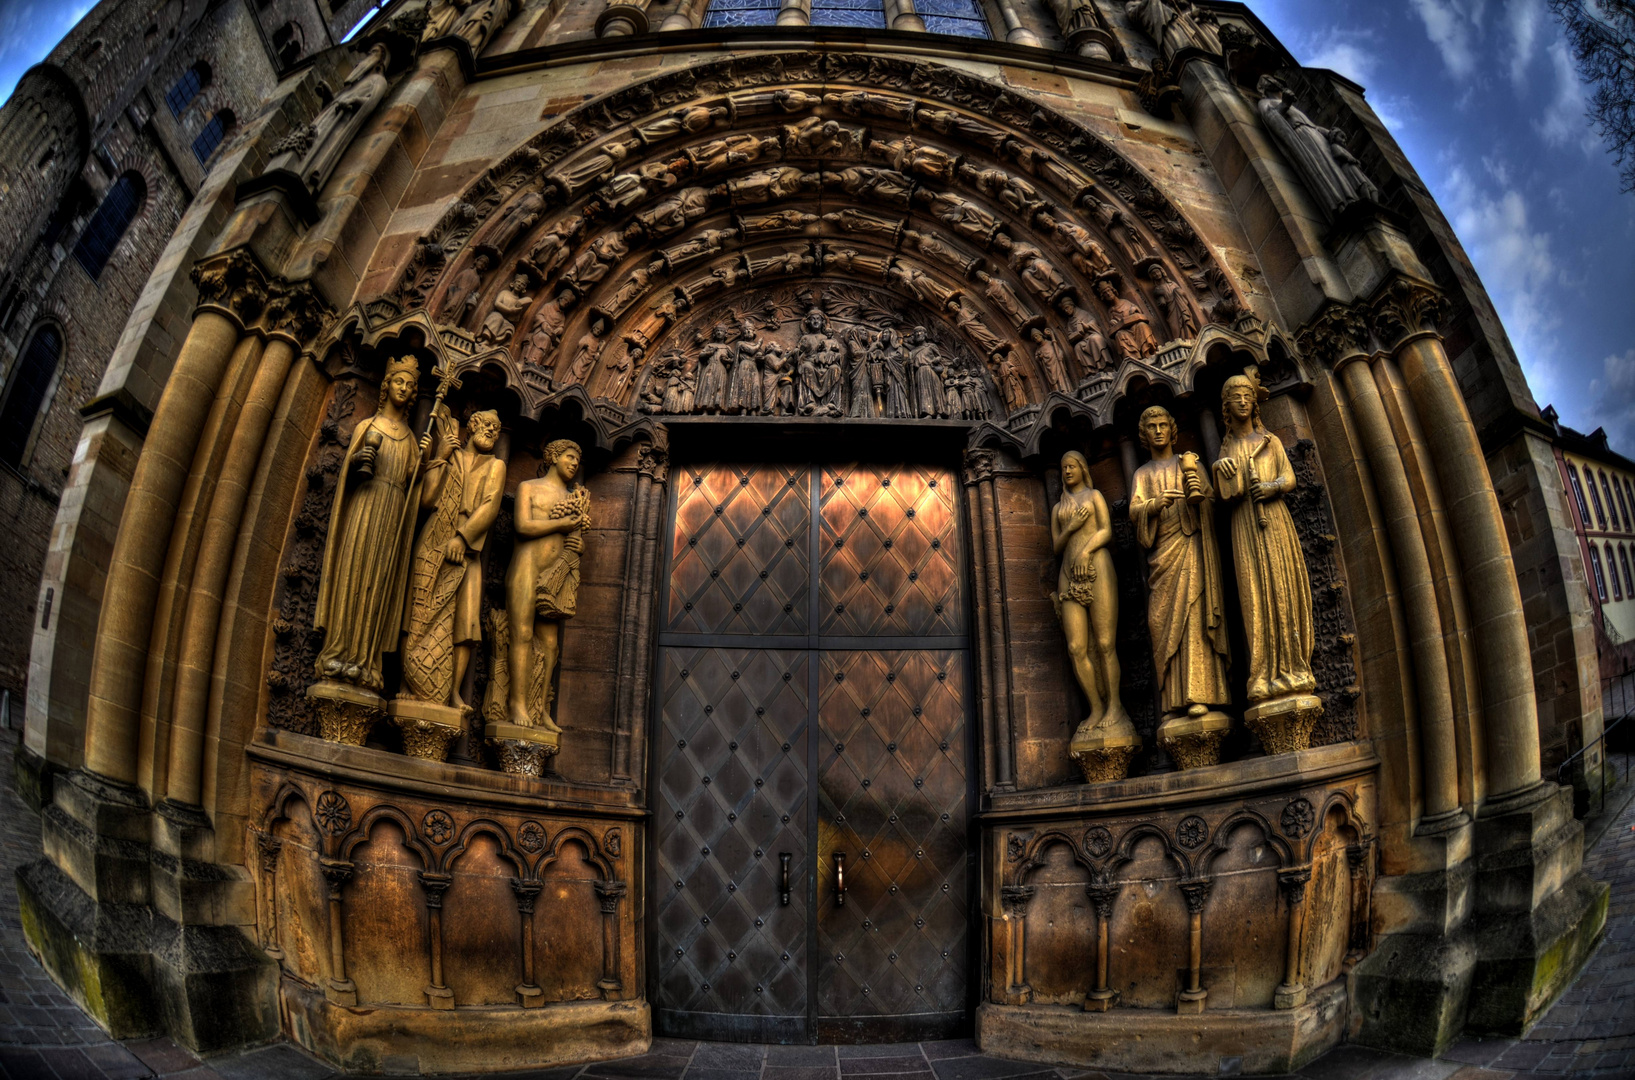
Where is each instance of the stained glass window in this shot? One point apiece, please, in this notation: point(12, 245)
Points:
point(28, 388)
point(869, 14)
point(742, 13)
point(962, 17)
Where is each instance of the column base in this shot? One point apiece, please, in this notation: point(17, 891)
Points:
point(1100, 1000)
point(1104, 755)
point(1191, 1002)
point(530, 997)
point(34, 776)
point(1288, 996)
point(1411, 993)
point(439, 997)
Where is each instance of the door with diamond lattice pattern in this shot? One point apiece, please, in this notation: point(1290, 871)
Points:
point(812, 694)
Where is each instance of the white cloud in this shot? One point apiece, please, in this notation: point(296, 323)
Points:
point(1516, 264)
point(1453, 26)
point(1612, 401)
point(1524, 19)
point(1565, 121)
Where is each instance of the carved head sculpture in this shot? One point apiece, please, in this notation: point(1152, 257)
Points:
point(746, 330)
point(400, 382)
point(1269, 87)
point(817, 322)
point(719, 334)
point(1241, 398)
point(1105, 291)
point(485, 428)
point(563, 455)
point(1156, 428)
point(1156, 272)
point(1075, 471)
point(918, 337)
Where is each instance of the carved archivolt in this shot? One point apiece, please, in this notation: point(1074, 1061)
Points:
point(617, 239)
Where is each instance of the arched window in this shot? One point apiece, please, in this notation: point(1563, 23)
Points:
point(193, 80)
point(27, 392)
point(1578, 495)
point(1623, 506)
point(961, 17)
point(1600, 580)
point(119, 208)
point(1629, 582)
point(1612, 507)
point(211, 135)
point(288, 41)
point(1612, 572)
point(749, 13)
point(1629, 491)
point(1595, 497)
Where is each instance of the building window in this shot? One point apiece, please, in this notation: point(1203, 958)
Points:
point(28, 387)
point(1612, 507)
point(211, 135)
point(288, 42)
point(1595, 497)
point(193, 80)
point(1578, 495)
point(1629, 581)
point(870, 14)
point(119, 208)
point(1595, 567)
point(1630, 492)
point(1612, 572)
point(742, 13)
point(961, 17)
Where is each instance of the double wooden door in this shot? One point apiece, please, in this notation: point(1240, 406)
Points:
point(810, 760)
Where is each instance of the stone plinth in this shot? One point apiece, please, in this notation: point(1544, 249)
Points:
point(1284, 724)
point(1195, 741)
point(1104, 757)
point(428, 729)
point(346, 713)
point(522, 751)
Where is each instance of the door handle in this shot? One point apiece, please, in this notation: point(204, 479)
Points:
point(783, 870)
point(840, 879)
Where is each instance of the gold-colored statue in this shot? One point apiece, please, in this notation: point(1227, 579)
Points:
point(542, 592)
point(1171, 507)
point(366, 556)
point(1254, 474)
point(1087, 604)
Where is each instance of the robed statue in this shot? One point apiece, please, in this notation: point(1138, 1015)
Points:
point(366, 553)
point(1253, 475)
point(463, 487)
point(1086, 599)
point(313, 151)
point(1172, 509)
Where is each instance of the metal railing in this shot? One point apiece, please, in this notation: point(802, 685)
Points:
point(1618, 700)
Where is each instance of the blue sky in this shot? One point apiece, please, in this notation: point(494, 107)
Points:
point(1483, 97)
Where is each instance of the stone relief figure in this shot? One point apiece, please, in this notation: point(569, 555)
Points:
point(850, 220)
point(595, 168)
point(777, 381)
point(542, 585)
point(1003, 297)
point(620, 370)
point(713, 359)
point(678, 386)
point(1132, 337)
point(440, 18)
point(462, 487)
point(550, 323)
point(1352, 167)
point(971, 324)
point(921, 284)
point(730, 152)
point(1088, 256)
point(624, 190)
point(881, 185)
point(1173, 302)
point(685, 121)
point(480, 21)
point(930, 399)
point(1084, 331)
point(313, 152)
point(744, 386)
point(962, 127)
point(706, 242)
point(595, 262)
point(822, 381)
point(553, 248)
point(1253, 474)
point(1174, 25)
point(518, 216)
point(1013, 386)
point(964, 216)
point(820, 138)
point(758, 187)
point(1011, 192)
point(461, 299)
point(1116, 224)
point(633, 287)
point(509, 305)
point(862, 375)
point(868, 103)
point(589, 350)
point(366, 554)
point(1086, 599)
point(1047, 352)
point(1172, 509)
point(1043, 279)
point(908, 156)
point(1311, 149)
point(784, 221)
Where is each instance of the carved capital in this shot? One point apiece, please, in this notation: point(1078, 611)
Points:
point(269, 846)
point(296, 312)
point(653, 462)
point(610, 893)
point(435, 885)
point(1405, 307)
point(1338, 333)
point(337, 872)
point(1016, 898)
point(232, 284)
point(1102, 894)
point(1356, 856)
point(1196, 893)
point(1293, 883)
point(979, 466)
point(527, 892)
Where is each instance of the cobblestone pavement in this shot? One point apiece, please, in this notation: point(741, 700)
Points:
point(1590, 1032)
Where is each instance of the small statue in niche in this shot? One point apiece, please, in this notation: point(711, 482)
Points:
point(591, 344)
point(1087, 255)
point(713, 359)
point(1047, 352)
point(744, 387)
point(888, 372)
point(1084, 331)
point(1086, 600)
point(1351, 166)
point(542, 585)
point(1172, 509)
point(463, 487)
point(684, 121)
point(1172, 301)
point(509, 305)
point(971, 325)
point(554, 247)
point(1312, 150)
point(440, 18)
point(1036, 272)
point(678, 386)
point(550, 323)
point(1013, 385)
point(1174, 25)
point(518, 216)
point(463, 292)
point(313, 151)
point(481, 20)
point(366, 553)
point(925, 359)
point(777, 381)
point(861, 373)
point(1003, 297)
point(595, 262)
point(1253, 474)
point(620, 370)
point(1116, 224)
point(816, 137)
point(1132, 336)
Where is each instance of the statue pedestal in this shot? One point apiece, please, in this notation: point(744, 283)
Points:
point(1104, 756)
point(1194, 741)
point(1284, 724)
point(428, 729)
point(345, 712)
point(523, 751)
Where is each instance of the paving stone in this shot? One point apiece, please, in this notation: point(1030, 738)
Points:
point(862, 1066)
point(800, 1072)
point(801, 1055)
point(880, 1050)
point(727, 1056)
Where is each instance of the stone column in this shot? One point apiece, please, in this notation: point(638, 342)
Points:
point(993, 683)
point(610, 893)
point(622, 19)
point(1016, 31)
point(339, 990)
point(643, 543)
point(1015, 899)
point(1102, 894)
point(529, 994)
point(795, 13)
point(1405, 318)
point(270, 847)
point(230, 288)
point(1292, 993)
point(900, 15)
point(1191, 1000)
point(438, 995)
